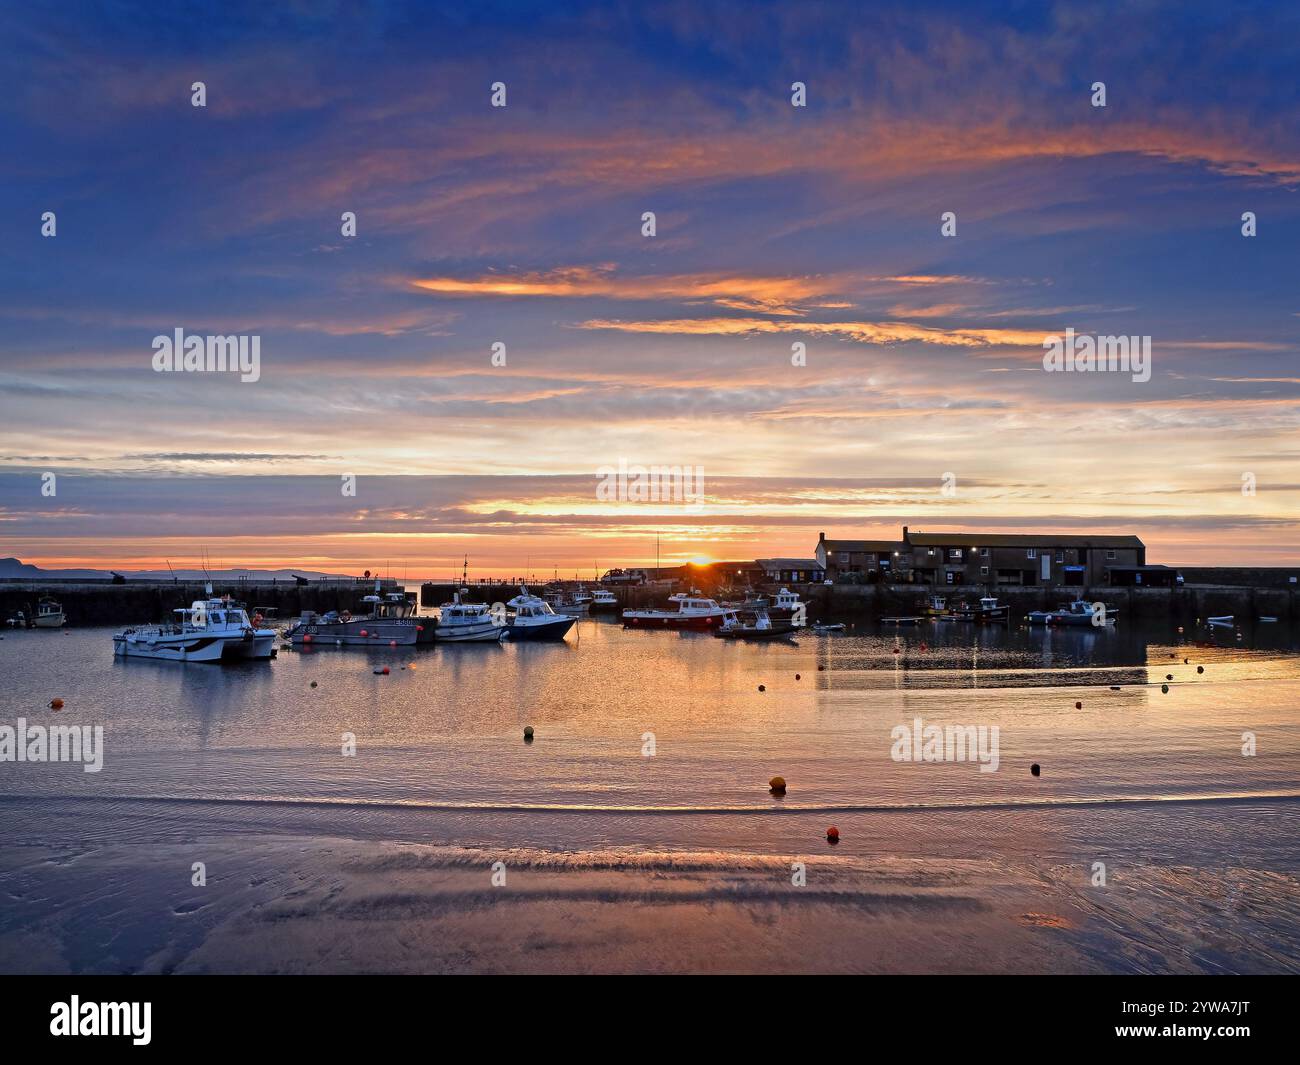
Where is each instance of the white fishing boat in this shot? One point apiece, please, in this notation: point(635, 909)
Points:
point(603, 601)
point(381, 620)
point(785, 605)
point(686, 612)
point(532, 618)
point(49, 614)
point(1077, 614)
point(210, 630)
point(461, 622)
point(574, 603)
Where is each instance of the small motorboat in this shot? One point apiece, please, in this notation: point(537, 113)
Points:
point(787, 604)
point(822, 628)
point(533, 619)
point(461, 622)
point(49, 615)
point(1078, 613)
point(902, 621)
point(603, 601)
point(1224, 622)
point(988, 610)
point(937, 606)
point(764, 628)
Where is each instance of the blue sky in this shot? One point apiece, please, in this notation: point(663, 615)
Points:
point(522, 225)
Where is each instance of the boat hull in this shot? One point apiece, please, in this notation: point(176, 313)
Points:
point(552, 629)
point(196, 647)
point(49, 621)
point(489, 633)
point(656, 620)
point(403, 632)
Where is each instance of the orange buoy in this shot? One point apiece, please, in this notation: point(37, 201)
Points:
point(832, 835)
point(1035, 769)
point(56, 704)
point(776, 785)
point(384, 671)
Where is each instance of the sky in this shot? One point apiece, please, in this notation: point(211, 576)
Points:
point(922, 397)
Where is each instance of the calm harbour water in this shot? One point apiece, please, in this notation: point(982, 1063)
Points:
point(254, 751)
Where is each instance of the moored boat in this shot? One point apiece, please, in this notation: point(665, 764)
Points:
point(786, 604)
point(1076, 614)
point(987, 610)
point(461, 622)
point(687, 612)
point(49, 614)
point(603, 601)
point(210, 630)
point(532, 618)
point(381, 621)
point(764, 628)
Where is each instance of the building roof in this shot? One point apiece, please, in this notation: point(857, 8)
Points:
point(789, 563)
point(862, 545)
point(963, 539)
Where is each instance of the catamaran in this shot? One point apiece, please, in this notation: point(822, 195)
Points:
point(210, 630)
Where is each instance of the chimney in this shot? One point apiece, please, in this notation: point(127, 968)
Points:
point(904, 532)
point(821, 537)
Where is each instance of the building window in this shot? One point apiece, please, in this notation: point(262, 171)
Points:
point(954, 553)
point(984, 553)
point(1060, 556)
point(844, 556)
point(1110, 556)
point(984, 571)
point(1032, 553)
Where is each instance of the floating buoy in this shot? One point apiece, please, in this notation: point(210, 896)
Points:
point(313, 684)
point(364, 633)
point(924, 646)
point(832, 835)
point(1169, 676)
point(1078, 706)
point(821, 669)
point(1164, 688)
point(1035, 769)
point(307, 638)
point(762, 687)
point(1184, 661)
point(392, 643)
point(1180, 630)
point(1200, 669)
point(797, 677)
point(528, 733)
point(384, 671)
point(412, 666)
point(56, 704)
point(776, 785)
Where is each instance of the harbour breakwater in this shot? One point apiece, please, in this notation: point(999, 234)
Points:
point(140, 601)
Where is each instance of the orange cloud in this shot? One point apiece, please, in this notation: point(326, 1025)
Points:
point(863, 332)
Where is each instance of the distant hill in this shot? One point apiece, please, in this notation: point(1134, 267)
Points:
point(11, 568)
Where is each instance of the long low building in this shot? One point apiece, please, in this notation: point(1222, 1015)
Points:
point(954, 558)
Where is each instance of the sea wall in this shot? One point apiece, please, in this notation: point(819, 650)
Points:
point(105, 603)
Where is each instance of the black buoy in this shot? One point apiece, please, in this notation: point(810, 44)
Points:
point(797, 677)
point(1164, 688)
point(528, 733)
point(1169, 676)
point(313, 684)
point(1035, 769)
point(1200, 669)
point(762, 687)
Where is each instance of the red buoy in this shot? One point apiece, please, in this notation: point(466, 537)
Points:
point(307, 638)
point(392, 643)
point(56, 704)
point(832, 834)
point(364, 633)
